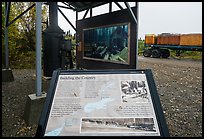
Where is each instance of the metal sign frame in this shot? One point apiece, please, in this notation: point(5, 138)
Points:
point(152, 87)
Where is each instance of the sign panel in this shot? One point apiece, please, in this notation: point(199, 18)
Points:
point(103, 104)
point(108, 43)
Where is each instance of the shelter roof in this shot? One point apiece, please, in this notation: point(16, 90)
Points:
point(81, 6)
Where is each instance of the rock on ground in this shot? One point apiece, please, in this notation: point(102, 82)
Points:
point(179, 85)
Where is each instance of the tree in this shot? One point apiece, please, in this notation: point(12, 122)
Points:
point(21, 33)
point(12, 30)
point(26, 24)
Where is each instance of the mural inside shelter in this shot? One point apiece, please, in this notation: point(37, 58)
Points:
point(107, 43)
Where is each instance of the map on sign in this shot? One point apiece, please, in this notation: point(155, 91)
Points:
point(115, 104)
point(97, 105)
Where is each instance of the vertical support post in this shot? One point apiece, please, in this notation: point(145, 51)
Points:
point(136, 22)
point(38, 49)
point(90, 12)
point(110, 7)
point(76, 38)
point(76, 15)
point(76, 25)
point(8, 11)
point(6, 39)
point(53, 13)
point(137, 7)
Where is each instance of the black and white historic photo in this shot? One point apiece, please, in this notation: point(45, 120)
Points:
point(114, 125)
point(134, 91)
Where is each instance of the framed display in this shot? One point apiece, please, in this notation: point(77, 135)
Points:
point(105, 43)
point(108, 43)
point(102, 103)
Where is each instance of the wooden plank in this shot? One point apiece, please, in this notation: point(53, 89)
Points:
point(150, 39)
point(191, 40)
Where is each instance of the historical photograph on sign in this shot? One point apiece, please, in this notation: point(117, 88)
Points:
point(107, 43)
point(117, 125)
point(134, 91)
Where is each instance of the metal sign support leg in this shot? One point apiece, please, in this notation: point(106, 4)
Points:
point(38, 49)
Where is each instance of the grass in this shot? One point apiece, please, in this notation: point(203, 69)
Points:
point(195, 55)
point(25, 60)
point(21, 60)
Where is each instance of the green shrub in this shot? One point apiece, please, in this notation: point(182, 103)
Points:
point(22, 60)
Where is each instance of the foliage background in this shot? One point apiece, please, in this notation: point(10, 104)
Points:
point(21, 34)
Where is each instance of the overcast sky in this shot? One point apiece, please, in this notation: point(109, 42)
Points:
point(154, 17)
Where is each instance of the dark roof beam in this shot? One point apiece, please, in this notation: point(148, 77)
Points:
point(81, 6)
point(73, 7)
point(121, 8)
point(66, 19)
point(90, 12)
point(110, 7)
point(85, 13)
point(65, 3)
point(131, 12)
point(21, 14)
point(70, 7)
point(76, 4)
point(64, 7)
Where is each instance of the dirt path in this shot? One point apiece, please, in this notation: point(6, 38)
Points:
point(171, 61)
point(179, 84)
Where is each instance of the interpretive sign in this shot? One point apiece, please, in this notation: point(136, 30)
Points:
point(108, 43)
point(102, 103)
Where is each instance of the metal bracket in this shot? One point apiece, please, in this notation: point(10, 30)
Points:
point(20, 14)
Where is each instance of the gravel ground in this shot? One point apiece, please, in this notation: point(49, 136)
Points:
point(179, 84)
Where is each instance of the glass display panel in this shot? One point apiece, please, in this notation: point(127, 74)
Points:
point(107, 43)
